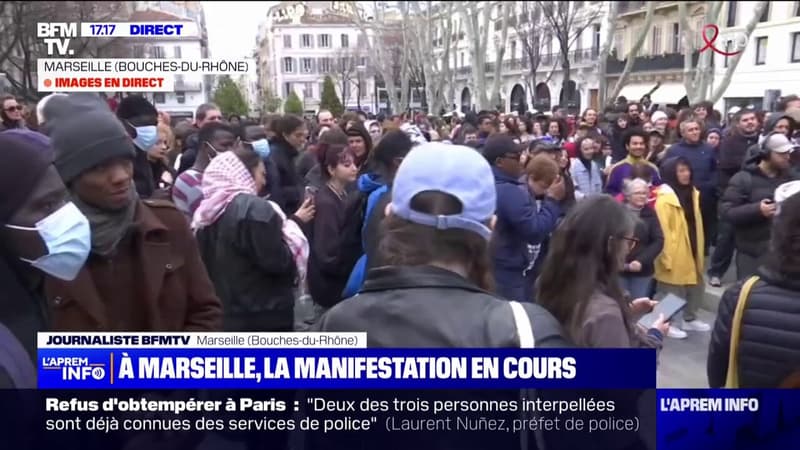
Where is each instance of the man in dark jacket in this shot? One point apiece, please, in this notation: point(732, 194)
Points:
point(732, 153)
point(704, 172)
point(749, 205)
point(769, 344)
point(207, 112)
point(140, 119)
point(33, 200)
point(519, 223)
point(144, 271)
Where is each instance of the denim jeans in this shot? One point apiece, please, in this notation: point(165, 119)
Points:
point(637, 286)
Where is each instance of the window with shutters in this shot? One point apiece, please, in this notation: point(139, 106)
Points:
point(325, 41)
point(158, 52)
point(308, 90)
point(306, 41)
point(287, 41)
point(306, 65)
point(656, 44)
point(345, 41)
point(176, 51)
point(675, 38)
point(288, 65)
point(325, 65)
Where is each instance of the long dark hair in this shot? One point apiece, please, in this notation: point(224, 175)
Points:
point(583, 258)
point(406, 243)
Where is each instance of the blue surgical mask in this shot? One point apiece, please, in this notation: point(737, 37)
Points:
point(261, 147)
point(68, 237)
point(146, 137)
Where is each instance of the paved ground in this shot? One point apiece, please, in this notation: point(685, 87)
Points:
point(682, 363)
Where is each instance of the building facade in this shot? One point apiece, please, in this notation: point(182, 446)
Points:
point(660, 61)
point(191, 90)
point(770, 64)
point(532, 73)
point(303, 42)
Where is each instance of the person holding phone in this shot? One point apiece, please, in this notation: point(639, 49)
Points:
point(332, 256)
point(748, 205)
point(593, 240)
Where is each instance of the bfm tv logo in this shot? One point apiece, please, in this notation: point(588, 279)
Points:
point(710, 33)
point(75, 368)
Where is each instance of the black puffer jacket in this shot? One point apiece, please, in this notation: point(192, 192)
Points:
point(291, 183)
point(741, 206)
point(252, 269)
point(769, 348)
point(732, 154)
point(651, 242)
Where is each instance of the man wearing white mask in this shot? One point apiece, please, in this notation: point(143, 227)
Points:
point(140, 119)
point(39, 229)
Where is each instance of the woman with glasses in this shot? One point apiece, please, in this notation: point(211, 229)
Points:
point(637, 273)
point(594, 240)
point(11, 114)
point(679, 268)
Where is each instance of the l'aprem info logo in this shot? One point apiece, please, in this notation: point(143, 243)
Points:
point(75, 369)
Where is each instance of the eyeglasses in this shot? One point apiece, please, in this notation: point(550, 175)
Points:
point(14, 108)
point(631, 242)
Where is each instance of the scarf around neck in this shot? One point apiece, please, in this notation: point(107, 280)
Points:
point(108, 227)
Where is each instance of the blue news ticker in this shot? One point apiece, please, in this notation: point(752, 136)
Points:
point(594, 368)
point(775, 424)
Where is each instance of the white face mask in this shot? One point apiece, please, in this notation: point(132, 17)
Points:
point(68, 237)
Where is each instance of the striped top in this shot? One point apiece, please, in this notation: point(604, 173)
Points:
point(186, 192)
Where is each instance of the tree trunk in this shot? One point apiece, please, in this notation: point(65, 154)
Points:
point(500, 52)
point(734, 61)
point(611, 20)
point(631, 57)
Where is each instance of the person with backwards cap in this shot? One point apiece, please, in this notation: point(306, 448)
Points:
point(144, 272)
point(434, 290)
point(41, 232)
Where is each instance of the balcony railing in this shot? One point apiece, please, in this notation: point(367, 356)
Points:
point(546, 60)
point(671, 61)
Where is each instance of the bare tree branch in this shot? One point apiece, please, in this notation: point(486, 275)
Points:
point(734, 62)
point(634, 51)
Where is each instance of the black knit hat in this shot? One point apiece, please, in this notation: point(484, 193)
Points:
point(26, 156)
point(88, 136)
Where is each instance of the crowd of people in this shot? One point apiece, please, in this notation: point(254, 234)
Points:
point(475, 230)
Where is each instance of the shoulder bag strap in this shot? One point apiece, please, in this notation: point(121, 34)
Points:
point(732, 379)
point(523, 324)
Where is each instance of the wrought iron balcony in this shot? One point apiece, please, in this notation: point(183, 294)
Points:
point(671, 61)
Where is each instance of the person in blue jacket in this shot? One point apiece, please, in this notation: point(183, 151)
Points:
point(703, 161)
point(519, 223)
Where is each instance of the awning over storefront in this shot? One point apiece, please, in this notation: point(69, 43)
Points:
point(666, 94)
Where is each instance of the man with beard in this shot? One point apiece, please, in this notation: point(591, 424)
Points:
point(748, 202)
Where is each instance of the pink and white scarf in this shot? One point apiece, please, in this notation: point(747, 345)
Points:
point(225, 178)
